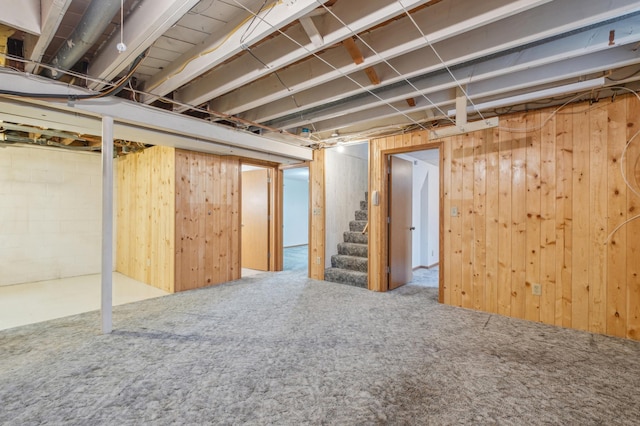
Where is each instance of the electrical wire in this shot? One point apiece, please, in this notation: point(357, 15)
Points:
point(207, 51)
point(112, 90)
point(246, 30)
point(421, 92)
point(439, 57)
point(333, 67)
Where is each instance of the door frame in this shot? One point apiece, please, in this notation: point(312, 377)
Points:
point(384, 234)
point(281, 169)
point(274, 208)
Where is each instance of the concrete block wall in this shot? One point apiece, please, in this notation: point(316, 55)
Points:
point(50, 218)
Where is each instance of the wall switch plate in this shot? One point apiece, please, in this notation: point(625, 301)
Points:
point(318, 260)
point(454, 211)
point(536, 289)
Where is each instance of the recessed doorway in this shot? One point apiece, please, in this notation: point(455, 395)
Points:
point(414, 218)
point(296, 219)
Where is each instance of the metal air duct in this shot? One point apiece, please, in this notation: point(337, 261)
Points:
point(87, 32)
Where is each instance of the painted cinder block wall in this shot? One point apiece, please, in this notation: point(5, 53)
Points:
point(536, 207)
point(50, 216)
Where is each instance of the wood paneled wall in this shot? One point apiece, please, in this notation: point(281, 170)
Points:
point(145, 203)
point(535, 207)
point(207, 220)
point(317, 215)
point(178, 218)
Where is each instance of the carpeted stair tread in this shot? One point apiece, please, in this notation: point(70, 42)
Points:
point(355, 237)
point(357, 225)
point(353, 263)
point(353, 249)
point(362, 215)
point(364, 205)
point(345, 276)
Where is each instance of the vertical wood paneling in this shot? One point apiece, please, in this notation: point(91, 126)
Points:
point(598, 220)
point(145, 219)
point(455, 252)
point(467, 221)
point(479, 262)
point(617, 214)
point(548, 218)
point(564, 215)
point(207, 219)
point(446, 161)
point(504, 218)
point(532, 203)
point(316, 219)
point(535, 206)
point(632, 229)
point(492, 225)
point(518, 219)
point(581, 213)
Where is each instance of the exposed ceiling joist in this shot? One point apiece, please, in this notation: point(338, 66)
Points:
point(143, 27)
point(280, 52)
point(220, 47)
point(443, 20)
point(312, 31)
point(471, 47)
point(52, 13)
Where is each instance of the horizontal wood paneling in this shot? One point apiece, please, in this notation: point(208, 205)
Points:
point(535, 208)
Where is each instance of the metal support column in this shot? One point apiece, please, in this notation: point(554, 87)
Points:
point(107, 225)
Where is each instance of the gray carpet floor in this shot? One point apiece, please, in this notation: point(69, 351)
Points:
point(277, 348)
point(425, 277)
point(296, 258)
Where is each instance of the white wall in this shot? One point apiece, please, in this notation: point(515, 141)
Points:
point(50, 217)
point(345, 186)
point(425, 213)
point(296, 211)
point(430, 253)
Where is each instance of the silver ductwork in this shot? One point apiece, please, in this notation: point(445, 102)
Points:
point(87, 32)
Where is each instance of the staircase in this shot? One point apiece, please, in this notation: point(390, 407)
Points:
point(350, 265)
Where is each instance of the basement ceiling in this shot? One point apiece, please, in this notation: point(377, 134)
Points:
point(319, 73)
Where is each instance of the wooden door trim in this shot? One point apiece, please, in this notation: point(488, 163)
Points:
point(384, 211)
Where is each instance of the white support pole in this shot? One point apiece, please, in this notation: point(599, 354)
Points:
point(107, 224)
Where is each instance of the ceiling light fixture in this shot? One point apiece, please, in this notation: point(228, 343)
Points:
point(121, 46)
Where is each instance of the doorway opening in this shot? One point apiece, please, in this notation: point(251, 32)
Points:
point(414, 233)
point(256, 219)
point(295, 232)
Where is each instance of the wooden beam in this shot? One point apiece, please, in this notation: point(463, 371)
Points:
point(353, 50)
point(373, 76)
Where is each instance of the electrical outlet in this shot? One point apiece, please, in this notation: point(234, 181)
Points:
point(148, 262)
point(318, 260)
point(536, 289)
point(454, 211)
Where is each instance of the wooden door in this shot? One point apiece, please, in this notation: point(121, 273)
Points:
point(400, 226)
point(255, 219)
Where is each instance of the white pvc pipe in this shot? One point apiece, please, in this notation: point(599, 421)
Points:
point(107, 225)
